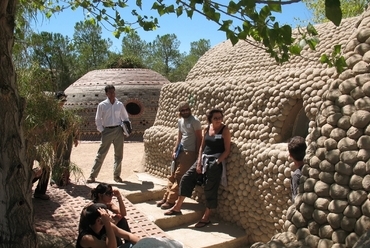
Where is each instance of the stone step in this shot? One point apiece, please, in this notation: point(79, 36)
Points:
point(192, 211)
point(219, 234)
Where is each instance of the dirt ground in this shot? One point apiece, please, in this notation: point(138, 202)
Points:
point(84, 155)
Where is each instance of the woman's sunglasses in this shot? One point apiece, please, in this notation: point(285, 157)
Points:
point(109, 193)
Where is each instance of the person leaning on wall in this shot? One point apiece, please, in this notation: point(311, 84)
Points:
point(214, 150)
point(184, 154)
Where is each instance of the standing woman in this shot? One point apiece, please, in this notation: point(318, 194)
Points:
point(103, 193)
point(215, 148)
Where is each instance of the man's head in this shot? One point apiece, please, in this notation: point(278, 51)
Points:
point(110, 91)
point(184, 109)
point(109, 87)
point(61, 96)
point(297, 148)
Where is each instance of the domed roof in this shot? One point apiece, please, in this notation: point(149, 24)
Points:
point(248, 59)
point(121, 76)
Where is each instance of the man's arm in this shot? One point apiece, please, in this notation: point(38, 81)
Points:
point(179, 137)
point(124, 114)
point(124, 234)
point(198, 136)
point(99, 119)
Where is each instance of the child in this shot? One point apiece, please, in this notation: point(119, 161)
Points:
point(297, 150)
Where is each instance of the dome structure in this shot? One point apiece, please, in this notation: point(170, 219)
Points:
point(264, 105)
point(137, 89)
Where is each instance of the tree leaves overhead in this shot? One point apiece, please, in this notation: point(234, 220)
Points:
point(248, 20)
point(345, 8)
point(243, 19)
point(333, 11)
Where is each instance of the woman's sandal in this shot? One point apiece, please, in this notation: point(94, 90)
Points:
point(202, 223)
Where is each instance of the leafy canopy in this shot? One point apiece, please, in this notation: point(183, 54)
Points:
point(243, 19)
point(349, 8)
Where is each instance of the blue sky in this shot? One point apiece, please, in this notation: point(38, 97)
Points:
point(187, 30)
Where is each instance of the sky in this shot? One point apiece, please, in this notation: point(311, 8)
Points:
point(187, 30)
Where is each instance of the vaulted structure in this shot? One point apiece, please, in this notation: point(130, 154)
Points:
point(138, 89)
point(265, 104)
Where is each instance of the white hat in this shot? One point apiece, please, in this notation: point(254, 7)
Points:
point(154, 242)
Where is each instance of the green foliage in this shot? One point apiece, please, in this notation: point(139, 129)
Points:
point(134, 47)
point(239, 20)
point(129, 61)
point(54, 53)
point(90, 47)
point(187, 62)
point(335, 59)
point(164, 55)
point(42, 116)
point(333, 10)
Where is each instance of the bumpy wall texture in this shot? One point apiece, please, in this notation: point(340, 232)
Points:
point(264, 105)
point(137, 89)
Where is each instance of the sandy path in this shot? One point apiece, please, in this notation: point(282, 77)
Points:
point(84, 155)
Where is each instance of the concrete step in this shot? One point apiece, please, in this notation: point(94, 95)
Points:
point(192, 211)
point(219, 234)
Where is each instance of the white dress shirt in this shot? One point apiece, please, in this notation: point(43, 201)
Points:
point(110, 115)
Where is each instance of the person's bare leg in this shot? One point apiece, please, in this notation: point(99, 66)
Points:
point(178, 203)
point(205, 217)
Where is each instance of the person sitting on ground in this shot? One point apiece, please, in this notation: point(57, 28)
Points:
point(297, 150)
point(96, 229)
point(103, 193)
point(215, 148)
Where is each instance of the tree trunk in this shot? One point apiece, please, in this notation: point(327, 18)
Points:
point(16, 209)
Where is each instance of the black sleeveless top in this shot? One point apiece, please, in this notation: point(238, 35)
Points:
point(89, 231)
point(214, 144)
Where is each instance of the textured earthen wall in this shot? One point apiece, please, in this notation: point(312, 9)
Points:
point(264, 104)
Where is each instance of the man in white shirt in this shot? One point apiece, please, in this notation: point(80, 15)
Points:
point(109, 116)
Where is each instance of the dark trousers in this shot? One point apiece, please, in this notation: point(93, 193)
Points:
point(123, 224)
point(211, 185)
point(60, 173)
point(42, 185)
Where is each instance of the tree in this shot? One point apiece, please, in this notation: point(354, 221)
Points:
point(16, 229)
point(134, 46)
point(54, 53)
point(200, 47)
point(187, 62)
point(91, 48)
point(165, 54)
point(349, 8)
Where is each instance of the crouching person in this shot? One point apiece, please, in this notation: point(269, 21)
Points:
point(97, 230)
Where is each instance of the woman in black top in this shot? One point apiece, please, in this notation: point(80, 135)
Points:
point(214, 150)
point(103, 193)
point(97, 230)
